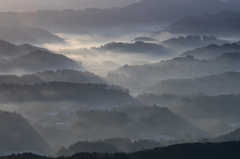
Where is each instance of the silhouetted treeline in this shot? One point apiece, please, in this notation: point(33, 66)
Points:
point(112, 145)
point(228, 137)
point(231, 136)
point(182, 151)
point(137, 47)
point(187, 138)
point(191, 42)
point(226, 83)
point(212, 51)
point(136, 77)
point(72, 76)
point(57, 91)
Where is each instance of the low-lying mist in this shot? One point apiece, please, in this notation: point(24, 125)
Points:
point(82, 48)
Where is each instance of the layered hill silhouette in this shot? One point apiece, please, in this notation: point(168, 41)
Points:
point(37, 61)
point(35, 5)
point(152, 123)
point(212, 51)
point(191, 42)
point(137, 47)
point(198, 150)
point(111, 145)
point(28, 35)
point(215, 115)
point(155, 12)
point(8, 49)
point(195, 95)
point(150, 118)
point(135, 123)
point(231, 136)
point(226, 83)
point(224, 24)
point(137, 77)
point(64, 91)
point(72, 76)
point(17, 135)
point(206, 111)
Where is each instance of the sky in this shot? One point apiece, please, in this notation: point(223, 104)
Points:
point(33, 5)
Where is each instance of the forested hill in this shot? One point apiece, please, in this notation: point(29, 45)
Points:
point(59, 91)
point(65, 75)
point(225, 150)
point(226, 83)
point(17, 135)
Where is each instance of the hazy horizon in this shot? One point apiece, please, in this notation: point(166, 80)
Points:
point(34, 5)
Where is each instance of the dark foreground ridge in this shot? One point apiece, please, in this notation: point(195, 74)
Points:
point(184, 151)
